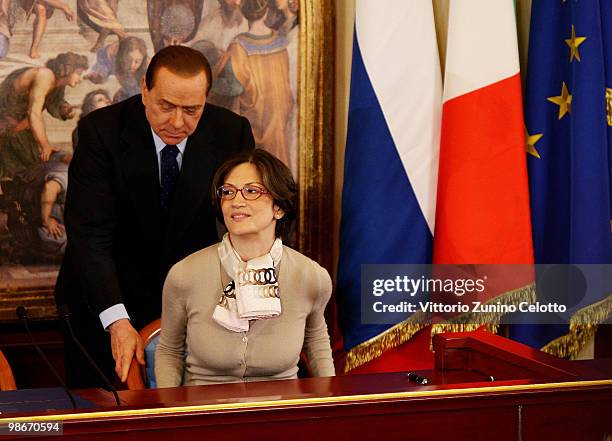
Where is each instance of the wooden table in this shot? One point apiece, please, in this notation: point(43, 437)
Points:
point(484, 387)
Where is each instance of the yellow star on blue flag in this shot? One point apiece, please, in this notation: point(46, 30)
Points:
point(573, 42)
point(564, 101)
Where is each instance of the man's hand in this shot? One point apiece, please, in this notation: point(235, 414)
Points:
point(125, 341)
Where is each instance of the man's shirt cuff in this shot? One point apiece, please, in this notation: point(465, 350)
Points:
point(112, 314)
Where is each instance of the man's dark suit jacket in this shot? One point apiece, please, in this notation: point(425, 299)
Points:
point(120, 244)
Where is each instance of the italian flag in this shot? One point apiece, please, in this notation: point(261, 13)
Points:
point(482, 211)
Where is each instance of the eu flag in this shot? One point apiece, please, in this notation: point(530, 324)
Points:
point(568, 119)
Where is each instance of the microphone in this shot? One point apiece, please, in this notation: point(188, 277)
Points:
point(64, 313)
point(417, 378)
point(22, 314)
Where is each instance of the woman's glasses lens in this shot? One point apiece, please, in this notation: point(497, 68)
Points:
point(249, 192)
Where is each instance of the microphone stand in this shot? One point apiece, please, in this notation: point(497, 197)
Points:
point(22, 314)
point(65, 315)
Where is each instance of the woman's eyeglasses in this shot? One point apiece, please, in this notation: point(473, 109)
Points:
point(250, 192)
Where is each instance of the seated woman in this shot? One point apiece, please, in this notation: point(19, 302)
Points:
point(243, 309)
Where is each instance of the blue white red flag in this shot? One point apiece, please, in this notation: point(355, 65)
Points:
point(391, 159)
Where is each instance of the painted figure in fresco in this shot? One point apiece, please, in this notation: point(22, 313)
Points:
point(290, 28)
point(275, 18)
point(33, 202)
point(260, 62)
point(43, 10)
point(173, 22)
point(53, 182)
point(289, 10)
point(222, 24)
point(101, 16)
point(52, 232)
point(24, 94)
point(226, 88)
point(127, 59)
point(219, 27)
point(94, 100)
point(5, 28)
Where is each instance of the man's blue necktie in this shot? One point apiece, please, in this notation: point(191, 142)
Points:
point(169, 174)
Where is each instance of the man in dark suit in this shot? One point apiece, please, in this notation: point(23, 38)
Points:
point(138, 201)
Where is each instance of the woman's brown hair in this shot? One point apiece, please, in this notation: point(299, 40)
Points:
point(275, 176)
